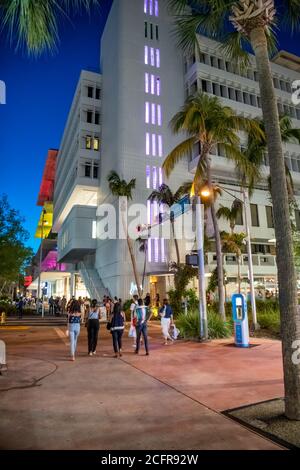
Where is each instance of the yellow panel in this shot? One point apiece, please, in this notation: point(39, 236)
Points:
point(48, 221)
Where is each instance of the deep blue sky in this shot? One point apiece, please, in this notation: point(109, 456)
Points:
point(39, 95)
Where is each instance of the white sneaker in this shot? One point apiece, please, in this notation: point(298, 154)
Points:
point(90, 354)
point(94, 353)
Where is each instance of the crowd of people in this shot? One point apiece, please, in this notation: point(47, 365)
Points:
point(110, 310)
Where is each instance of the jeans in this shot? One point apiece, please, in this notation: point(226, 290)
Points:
point(93, 331)
point(141, 329)
point(74, 331)
point(117, 340)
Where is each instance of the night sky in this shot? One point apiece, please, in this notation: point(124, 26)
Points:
point(39, 95)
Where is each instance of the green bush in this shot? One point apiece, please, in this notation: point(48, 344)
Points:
point(189, 325)
point(270, 321)
point(9, 309)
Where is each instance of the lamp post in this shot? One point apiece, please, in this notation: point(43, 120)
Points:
point(201, 272)
point(246, 204)
point(40, 263)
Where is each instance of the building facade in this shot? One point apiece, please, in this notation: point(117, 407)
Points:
point(119, 121)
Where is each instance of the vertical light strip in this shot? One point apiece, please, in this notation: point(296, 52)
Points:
point(147, 112)
point(152, 84)
point(156, 8)
point(151, 7)
point(146, 6)
point(156, 250)
point(147, 143)
point(157, 58)
point(149, 222)
point(146, 53)
point(163, 253)
point(158, 86)
point(146, 83)
point(153, 114)
point(154, 177)
point(148, 176)
point(154, 145)
point(152, 57)
point(160, 176)
point(159, 116)
point(160, 146)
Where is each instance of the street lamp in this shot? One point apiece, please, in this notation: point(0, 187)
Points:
point(40, 262)
point(201, 269)
point(245, 202)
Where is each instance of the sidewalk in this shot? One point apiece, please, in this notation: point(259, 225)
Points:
point(169, 400)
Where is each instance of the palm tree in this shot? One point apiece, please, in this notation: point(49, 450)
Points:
point(165, 196)
point(208, 123)
point(119, 187)
point(254, 22)
point(233, 243)
point(143, 248)
point(230, 213)
point(34, 22)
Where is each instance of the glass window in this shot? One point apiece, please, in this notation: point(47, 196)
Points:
point(96, 143)
point(151, 31)
point(160, 146)
point(152, 84)
point(147, 143)
point(97, 93)
point(148, 176)
point(87, 169)
point(269, 214)
point(154, 178)
point(156, 33)
point(90, 91)
point(152, 59)
point(146, 55)
point(158, 86)
point(239, 218)
point(89, 117)
point(254, 215)
point(153, 114)
point(146, 29)
point(95, 170)
point(88, 142)
point(97, 118)
point(159, 115)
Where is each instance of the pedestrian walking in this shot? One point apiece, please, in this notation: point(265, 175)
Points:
point(140, 320)
point(74, 320)
point(117, 326)
point(132, 329)
point(63, 305)
point(93, 326)
point(20, 306)
point(166, 314)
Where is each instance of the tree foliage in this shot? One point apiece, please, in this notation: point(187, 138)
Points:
point(14, 254)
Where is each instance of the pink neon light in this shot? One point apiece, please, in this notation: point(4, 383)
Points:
point(156, 8)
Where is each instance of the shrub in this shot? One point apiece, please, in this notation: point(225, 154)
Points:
point(270, 321)
point(189, 325)
point(9, 309)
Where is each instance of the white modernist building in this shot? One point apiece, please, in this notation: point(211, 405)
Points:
point(119, 121)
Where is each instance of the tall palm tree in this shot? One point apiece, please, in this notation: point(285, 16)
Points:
point(34, 22)
point(233, 243)
point(143, 248)
point(254, 22)
point(208, 123)
point(230, 213)
point(165, 196)
point(119, 187)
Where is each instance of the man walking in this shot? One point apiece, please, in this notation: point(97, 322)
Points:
point(140, 317)
point(166, 314)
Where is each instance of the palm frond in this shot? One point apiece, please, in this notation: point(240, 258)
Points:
point(291, 15)
point(177, 154)
point(233, 49)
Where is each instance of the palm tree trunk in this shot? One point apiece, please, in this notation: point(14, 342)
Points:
point(290, 322)
point(145, 264)
point(218, 245)
point(133, 262)
point(175, 242)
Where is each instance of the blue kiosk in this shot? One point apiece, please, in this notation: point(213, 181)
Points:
point(240, 319)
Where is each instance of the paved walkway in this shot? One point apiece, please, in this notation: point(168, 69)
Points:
point(168, 400)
